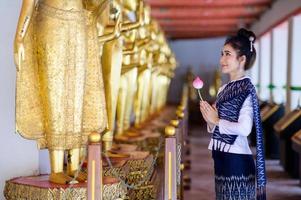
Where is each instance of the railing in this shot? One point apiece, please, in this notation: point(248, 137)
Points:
point(176, 134)
point(175, 148)
point(170, 164)
point(95, 184)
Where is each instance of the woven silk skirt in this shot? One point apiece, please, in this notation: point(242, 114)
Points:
point(234, 176)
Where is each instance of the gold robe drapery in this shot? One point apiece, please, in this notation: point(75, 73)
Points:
point(59, 96)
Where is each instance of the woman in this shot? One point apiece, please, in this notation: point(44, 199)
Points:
point(230, 122)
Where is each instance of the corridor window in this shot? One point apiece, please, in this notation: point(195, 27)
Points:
point(265, 63)
point(296, 61)
point(280, 42)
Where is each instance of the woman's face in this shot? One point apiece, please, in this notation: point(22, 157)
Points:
point(229, 61)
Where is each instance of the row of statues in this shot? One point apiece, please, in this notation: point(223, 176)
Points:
point(87, 66)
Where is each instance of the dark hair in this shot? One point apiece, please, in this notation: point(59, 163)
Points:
point(243, 43)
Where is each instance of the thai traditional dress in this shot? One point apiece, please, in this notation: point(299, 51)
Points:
point(235, 171)
point(59, 93)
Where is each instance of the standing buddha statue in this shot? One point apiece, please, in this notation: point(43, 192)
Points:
point(144, 70)
point(112, 65)
point(56, 103)
point(129, 71)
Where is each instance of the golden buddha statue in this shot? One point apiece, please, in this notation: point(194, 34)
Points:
point(162, 71)
point(59, 97)
point(128, 88)
point(154, 47)
point(144, 70)
point(167, 73)
point(156, 80)
point(189, 79)
point(112, 63)
point(142, 86)
point(131, 77)
point(217, 83)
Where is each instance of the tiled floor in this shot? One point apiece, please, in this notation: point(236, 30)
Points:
point(280, 185)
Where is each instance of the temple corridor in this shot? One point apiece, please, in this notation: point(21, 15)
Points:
point(110, 99)
point(280, 186)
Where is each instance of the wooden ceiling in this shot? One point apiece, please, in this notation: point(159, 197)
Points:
point(184, 19)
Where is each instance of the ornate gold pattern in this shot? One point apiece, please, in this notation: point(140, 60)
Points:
point(147, 192)
point(121, 171)
point(14, 191)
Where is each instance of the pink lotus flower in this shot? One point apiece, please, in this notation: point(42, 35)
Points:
point(198, 85)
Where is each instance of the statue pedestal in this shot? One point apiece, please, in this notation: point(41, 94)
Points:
point(38, 187)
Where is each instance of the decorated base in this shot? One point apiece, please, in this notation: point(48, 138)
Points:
point(38, 187)
point(149, 190)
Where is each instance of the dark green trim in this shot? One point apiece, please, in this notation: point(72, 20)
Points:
point(271, 86)
point(295, 88)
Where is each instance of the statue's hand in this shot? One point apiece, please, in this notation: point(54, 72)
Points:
point(19, 54)
point(118, 26)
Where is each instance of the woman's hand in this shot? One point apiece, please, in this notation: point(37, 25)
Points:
point(209, 113)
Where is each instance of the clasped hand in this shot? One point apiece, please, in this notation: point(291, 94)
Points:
point(209, 113)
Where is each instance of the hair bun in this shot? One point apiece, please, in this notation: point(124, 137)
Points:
point(246, 34)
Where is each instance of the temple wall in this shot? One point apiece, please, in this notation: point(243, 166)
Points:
point(202, 55)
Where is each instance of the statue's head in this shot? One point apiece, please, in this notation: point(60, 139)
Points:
point(115, 10)
point(147, 16)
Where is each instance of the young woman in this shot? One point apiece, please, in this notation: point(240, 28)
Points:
point(230, 121)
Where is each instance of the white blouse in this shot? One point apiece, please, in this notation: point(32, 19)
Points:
point(242, 128)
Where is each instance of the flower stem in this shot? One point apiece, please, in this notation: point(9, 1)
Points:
point(200, 94)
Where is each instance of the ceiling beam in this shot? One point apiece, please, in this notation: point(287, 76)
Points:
point(197, 35)
point(172, 32)
point(215, 13)
point(205, 3)
point(207, 22)
point(200, 29)
point(194, 37)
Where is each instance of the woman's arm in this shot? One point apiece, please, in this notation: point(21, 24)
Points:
point(24, 20)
